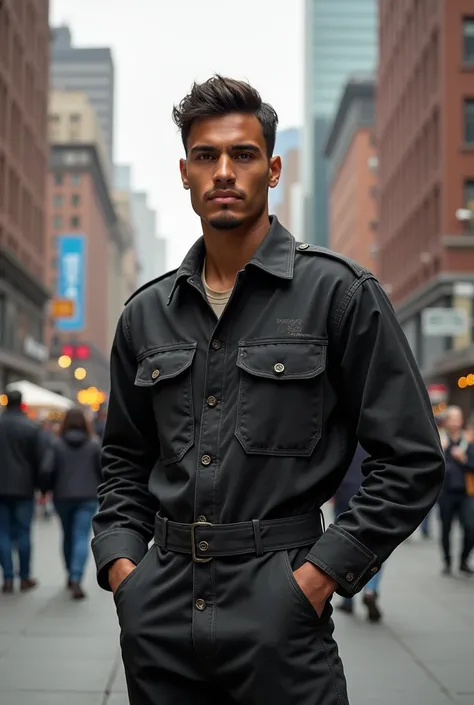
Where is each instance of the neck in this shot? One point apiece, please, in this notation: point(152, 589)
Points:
point(455, 435)
point(228, 251)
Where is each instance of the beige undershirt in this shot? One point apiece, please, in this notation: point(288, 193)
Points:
point(217, 299)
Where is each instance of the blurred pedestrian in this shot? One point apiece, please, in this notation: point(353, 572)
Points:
point(22, 451)
point(348, 488)
point(456, 500)
point(73, 477)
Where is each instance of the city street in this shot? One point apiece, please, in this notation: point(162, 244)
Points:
point(54, 651)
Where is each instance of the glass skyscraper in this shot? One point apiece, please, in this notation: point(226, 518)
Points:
point(341, 39)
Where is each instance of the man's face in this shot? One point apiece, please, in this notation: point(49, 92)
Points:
point(227, 170)
point(454, 420)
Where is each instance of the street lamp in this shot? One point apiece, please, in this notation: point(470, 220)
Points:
point(80, 373)
point(64, 362)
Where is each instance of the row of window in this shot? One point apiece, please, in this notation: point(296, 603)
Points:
point(58, 221)
point(74, 179)
point(59, 200)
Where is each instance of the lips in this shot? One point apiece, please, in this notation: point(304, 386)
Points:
point(225, 197)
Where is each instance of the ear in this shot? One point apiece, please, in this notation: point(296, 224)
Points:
point(184, 173)
point(274, 171)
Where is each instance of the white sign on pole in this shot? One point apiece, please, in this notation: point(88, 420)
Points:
point(449, 322)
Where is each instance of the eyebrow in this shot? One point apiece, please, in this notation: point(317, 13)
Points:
point(244, 147)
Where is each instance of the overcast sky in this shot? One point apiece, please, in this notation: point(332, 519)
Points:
point(160, 47)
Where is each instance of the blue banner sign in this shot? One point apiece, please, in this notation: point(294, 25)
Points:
point(72, 280)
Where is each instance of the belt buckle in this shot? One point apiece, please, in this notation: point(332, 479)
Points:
point(196, 558)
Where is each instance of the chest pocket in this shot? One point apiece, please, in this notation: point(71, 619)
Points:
point(280, 396)
point(168, 374)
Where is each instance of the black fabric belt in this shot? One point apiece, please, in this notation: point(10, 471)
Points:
point(205, 541)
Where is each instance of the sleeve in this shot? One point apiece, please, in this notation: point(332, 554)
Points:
point(124, 524)
point(385, 401)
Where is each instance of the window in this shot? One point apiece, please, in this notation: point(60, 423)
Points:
point(58, 200)
point(75, 221)
point(75, 199)
point(469, 121)
point(468, 37)
point(58, 179)
point(76, 179)
point(469, 200)
point(57, 221)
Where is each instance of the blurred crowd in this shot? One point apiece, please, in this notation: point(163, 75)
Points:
point(49, 468)
point(55, 469)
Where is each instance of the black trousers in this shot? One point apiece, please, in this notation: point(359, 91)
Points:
point(455, 505)
point(234, 631)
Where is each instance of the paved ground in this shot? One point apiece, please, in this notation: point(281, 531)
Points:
point(53, 651)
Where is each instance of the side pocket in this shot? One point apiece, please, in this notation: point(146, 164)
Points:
point(298, 592)
point(135, 572)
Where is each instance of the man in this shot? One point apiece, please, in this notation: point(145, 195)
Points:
point(22, 452)
point(454, 500)
point(348, 488)
point(240, 384)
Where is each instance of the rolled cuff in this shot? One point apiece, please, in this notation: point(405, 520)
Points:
point(115, 544)
point(345, 559)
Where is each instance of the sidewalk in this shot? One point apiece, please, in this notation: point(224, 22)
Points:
point(57, 652)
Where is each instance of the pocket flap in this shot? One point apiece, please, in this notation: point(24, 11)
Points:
point(282, 360)
point(160, 365)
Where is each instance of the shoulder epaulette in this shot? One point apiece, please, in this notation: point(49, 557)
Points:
point(150, 283)
point(306, 248)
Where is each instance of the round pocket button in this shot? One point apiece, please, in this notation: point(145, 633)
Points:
point(279, 368)
point(155, 374)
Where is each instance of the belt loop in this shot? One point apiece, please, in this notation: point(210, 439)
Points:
point(258, 537)
point(164, 533)
point(323, 521)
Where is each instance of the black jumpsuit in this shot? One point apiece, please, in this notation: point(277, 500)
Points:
point(239, 430)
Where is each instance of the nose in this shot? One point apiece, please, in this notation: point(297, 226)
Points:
point(224, 171)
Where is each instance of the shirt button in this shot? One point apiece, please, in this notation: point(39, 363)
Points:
point(350, 577)
point(206, 460)
point(374, 570)
point(303, 246)
point(216, 344)
point(200, 605)
point(203, 546)
point(202, 519)
point(155, 374)
point(279, 368)
point(211, 401)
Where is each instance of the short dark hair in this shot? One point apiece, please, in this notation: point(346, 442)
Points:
point(221, 96)
point(14, 399)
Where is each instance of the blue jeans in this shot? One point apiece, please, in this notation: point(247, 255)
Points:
point(16, 517)
point(76, 519)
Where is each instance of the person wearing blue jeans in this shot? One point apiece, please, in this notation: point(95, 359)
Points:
point(22, 450)
point(76, 520)
point(16, 516)
point(73, 476)
point(348, 488)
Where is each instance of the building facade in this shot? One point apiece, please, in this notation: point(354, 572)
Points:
point(90, 71)
point(286, 141)
point(352, 162)
point(425, 116)
point(84, 263)
point(144, 220)
point(72, 119)
point(340, 40)
point(24, 67)
point(289, 207)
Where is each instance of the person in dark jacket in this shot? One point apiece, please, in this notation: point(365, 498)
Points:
point(21, 452)
point(454, 501)
point(74, 478)
point(348, 488)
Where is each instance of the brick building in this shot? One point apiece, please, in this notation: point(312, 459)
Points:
point(351, 156)
point(425, 126)
point(24, 66)
point(84, 263)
